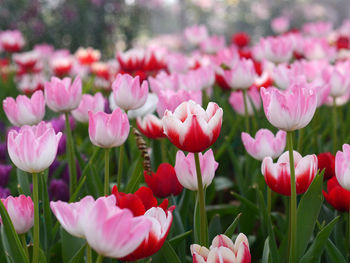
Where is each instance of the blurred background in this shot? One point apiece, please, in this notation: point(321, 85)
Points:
point(111, 24)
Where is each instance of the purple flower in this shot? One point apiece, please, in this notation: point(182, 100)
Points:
point(58, 190)
point(5, 170)
point(4, 192)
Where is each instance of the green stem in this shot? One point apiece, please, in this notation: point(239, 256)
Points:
point(71, 157)
point(120, 166)
point(24, 244)
point(106, 186)
point(163, 150)
point(269, 195)
point(203, 234)
point(347, 238)
point(36, 219)
point(88, 254)
point(246, 116)
point(293, 200)
point(99, 259)
point(334, 125)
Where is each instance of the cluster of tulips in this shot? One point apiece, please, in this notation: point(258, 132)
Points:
point(113, 207)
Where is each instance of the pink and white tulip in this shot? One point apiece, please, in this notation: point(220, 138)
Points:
point(212, 44)
point(196, 34)
point(128, 93)
point(88, 103)
point(185, 169)
point(280, 24)
point(336, 78)
point(289, 110)
point(242, 75)
point(277, 49)
point(253, 101)
point(264, 144)
point(342, 167)
point(222, 249)
point(24, 110)
point(33, 148)
point(108, 130)
point(62, 95)
point(21, 212)
point(277, 175)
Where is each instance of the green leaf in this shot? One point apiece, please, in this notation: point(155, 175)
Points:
point(333, 253)
point(135, 178)
point(179, 238)
point(307, 213)
point(247, 202)
point(70, 245)
point(231, 229)
point(78, 257)
point(266, 251)
point(10, 240)
point(315, 251)
point(168, 253)
point(214, 227)
point(22, 179)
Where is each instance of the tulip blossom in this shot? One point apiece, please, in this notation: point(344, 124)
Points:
point(164, 182)
point(61, 65)
point(155, 59)
point(342, 166)
point(150, 126)
point(63, 95)
point(24, 110)
point(242, 75)
point(222, 249)
point(326, 161)
point(191, 128)
point(131, 60)
point(88, 103)
point(185, 169)
point(27, 61)
point(212, 44)
point(337, 196)
point(264, 144)
point(277, 175)
point(128, 93)
point(29, 83)
point(144, 204)
point(241, 39)
point(33, 148)
point(108, 130)
point(253, 101)
point(289, 110)
point(11, 40)
point(280, 24)
point(277, 49)
point(21, 212)
point(336, 78)
point(196, 34)
point(87, 56)
point(148, 108)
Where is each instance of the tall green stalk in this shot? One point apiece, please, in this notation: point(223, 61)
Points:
point(71, 157)
point(99, 259)
point(88, 254)
point(293, 201)
point(106, 185)
point(246, 116)
point(24, 244)
point(36, 219)
point(203, 233)
point(120, 166)
point(334, 117)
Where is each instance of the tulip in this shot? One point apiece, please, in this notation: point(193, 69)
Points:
point(29, 83)
point(150, 126)
point(277, 175)
point(164, 182)
point(277, 49)
point(336, 77)
point(342, 166)
point(280, 24)
point(242, 75)
point(241, 39)
point(128, 93)
point(291, 109)
point(88, 103)
point(24, 110)
point(196, 34)
point(326, 162)
point(212, 44)
point(191, 128)
point(253, 101)
point(155, 59)
point(222, 249)
point(131, 60)
point(61, 64)
point(11, 40)
point(264, 144)
point(62, 95)
point(21, 212)
point(318, 49)
point(317, 29)
point(148, 108)
point(87, 56)
point(185, 169)
point(28, 61)
point(337, 196)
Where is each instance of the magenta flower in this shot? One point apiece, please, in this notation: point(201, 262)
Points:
point(33, 148)
point(242, 75)
point(63, 95)
point(24, 110)
point(264, 144)
point(21, 212)
point(185, 169)
point(88, 103)
point(128, 93)
point(108, 130)
point(289, 110)
point(342, 166)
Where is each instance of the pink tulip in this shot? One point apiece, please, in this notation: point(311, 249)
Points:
point(283, 75)
point(277, 175)
point(11, 40)
point(280, 24)
point(277, 49)
point(264, 144)
point(185, 169)
point(317, 29)
point(24, 110)
point(150, 126)
point(242, 75)
point(212, 44)
point(253, 101)
point(337, 78)
point(316, 49)
point(33, 148)
point(196, 34)
point(222, 249)
point(108, 130)
point(191, 128)
point(289, 110)
point(21, 212)
point(128, 93)
point(342, 166)
point(63, 95)
point(114, 232)
point(88, 103)
point(164, 81)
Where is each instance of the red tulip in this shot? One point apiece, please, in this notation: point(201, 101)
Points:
point(336, 195)
point(326, 161)
point(241, 39)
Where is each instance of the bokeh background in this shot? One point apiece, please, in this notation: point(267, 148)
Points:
point(111, 24)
